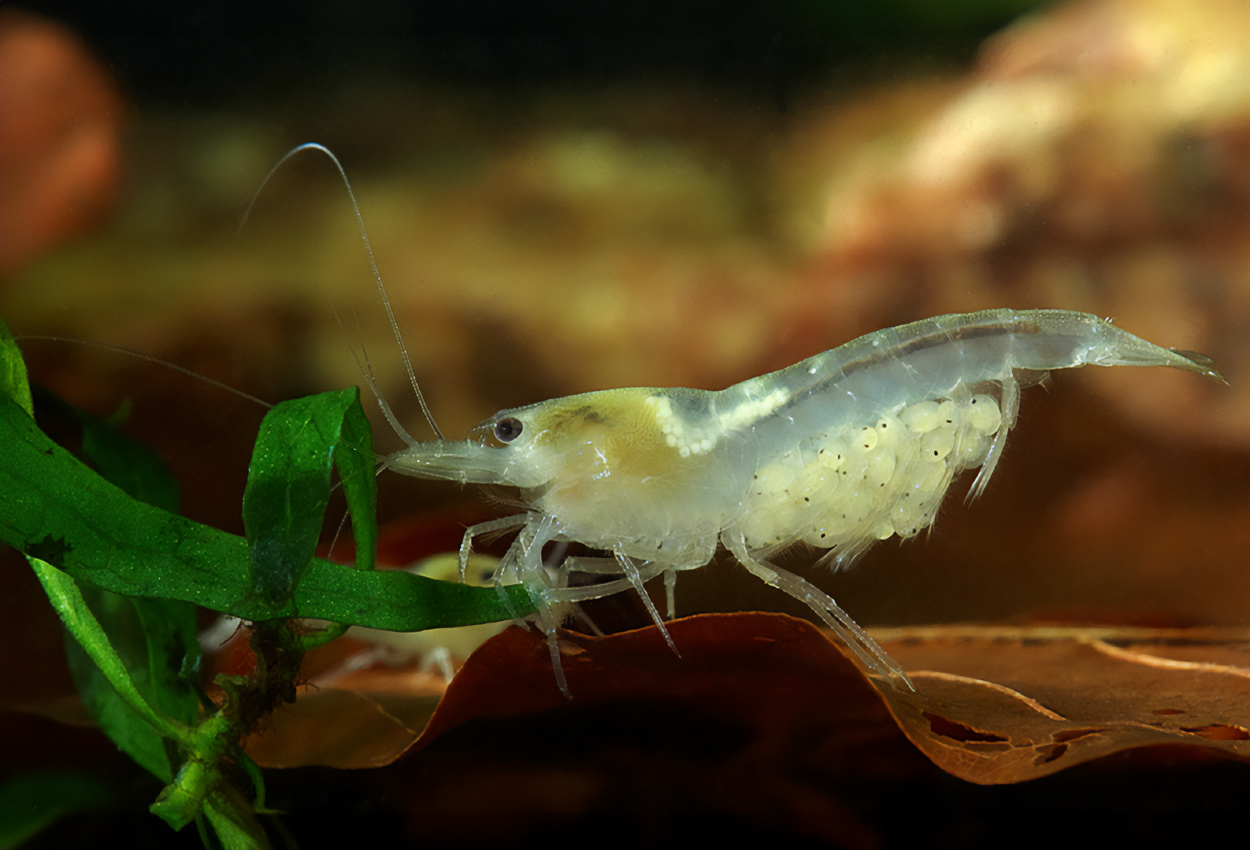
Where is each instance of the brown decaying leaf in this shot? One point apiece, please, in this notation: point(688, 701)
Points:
point(997, 705)
point(993, 705)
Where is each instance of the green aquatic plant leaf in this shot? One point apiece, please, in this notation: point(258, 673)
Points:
point(155, 639)
point(54, 507)
point(126, 727)
point(82, 623)
point(358, 476)
point(289, 485)
point(235, 826)
point(125, 574)
point(135, 660)
point(13, 381)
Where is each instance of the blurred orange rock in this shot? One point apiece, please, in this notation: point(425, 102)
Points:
point(60, 116)
point(1101, 120)
point(1097, 158)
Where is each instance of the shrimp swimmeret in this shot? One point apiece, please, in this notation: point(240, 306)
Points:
point(843, 449)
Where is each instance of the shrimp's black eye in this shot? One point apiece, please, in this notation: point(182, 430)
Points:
point(507, 430)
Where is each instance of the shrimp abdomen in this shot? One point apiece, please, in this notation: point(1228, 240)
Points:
point(860, 451)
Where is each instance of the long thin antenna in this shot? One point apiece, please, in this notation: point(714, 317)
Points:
point(366, 368)
point(377, 276)
point(148, 357)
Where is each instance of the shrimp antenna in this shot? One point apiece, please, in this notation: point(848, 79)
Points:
point(149, 358)
point(366, 368)
point(377, 276)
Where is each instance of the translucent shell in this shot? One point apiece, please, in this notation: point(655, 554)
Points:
point(869, 481)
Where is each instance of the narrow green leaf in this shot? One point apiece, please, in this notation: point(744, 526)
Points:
point(66, 598)
point(288, 486)
point(54, 508)
point(156, 639)
point(125, 726)
point(13, 381)
point(233, 821)
point(254, 773)
point(173, 655)
point(356, 465)
point(156, 642)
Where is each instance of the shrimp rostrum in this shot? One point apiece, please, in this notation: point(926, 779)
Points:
point(843, 449)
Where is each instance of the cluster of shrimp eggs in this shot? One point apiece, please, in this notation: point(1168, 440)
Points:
point(874, 481)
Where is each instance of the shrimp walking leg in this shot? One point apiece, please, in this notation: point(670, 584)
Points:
point(609, 566)
point(481, 529)
point(869, 651)
point(600, 567)
point(635, 578)
point(525, 558)
point(596, 566)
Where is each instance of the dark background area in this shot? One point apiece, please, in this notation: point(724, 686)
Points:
point(184, 55)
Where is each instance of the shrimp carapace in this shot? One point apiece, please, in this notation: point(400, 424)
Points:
point(850, 446)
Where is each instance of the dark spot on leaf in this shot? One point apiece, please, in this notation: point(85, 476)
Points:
point(1049, 754)
point(1075, 734)
point(960, 732)
point(50, 549)
point(1220, 732)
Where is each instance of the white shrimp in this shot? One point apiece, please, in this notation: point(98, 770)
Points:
point(848, 447)
point(841, 450)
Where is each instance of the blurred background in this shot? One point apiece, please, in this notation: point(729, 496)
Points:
point(568, 197)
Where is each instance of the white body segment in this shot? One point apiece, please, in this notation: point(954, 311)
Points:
point(850, 446)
